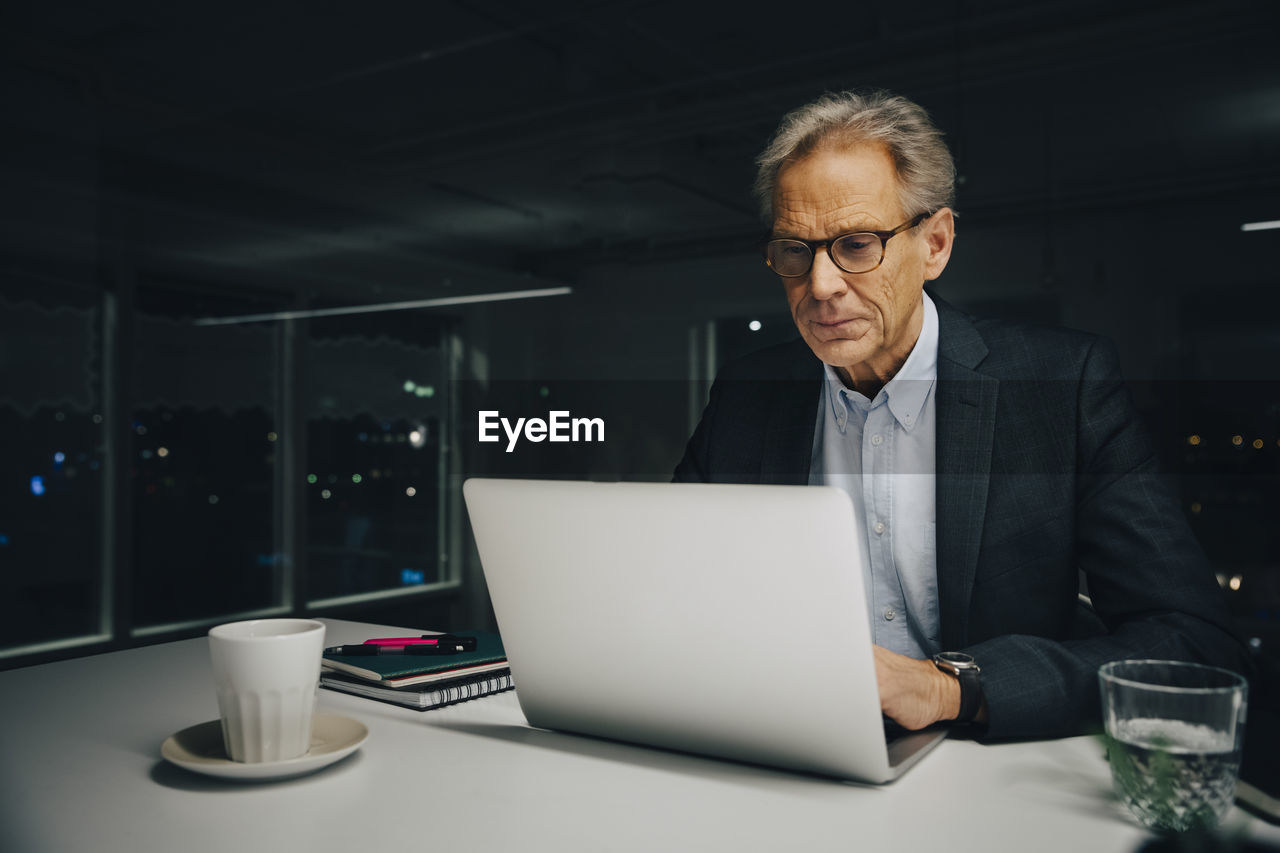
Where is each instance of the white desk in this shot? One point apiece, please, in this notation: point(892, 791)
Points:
point(81, 769)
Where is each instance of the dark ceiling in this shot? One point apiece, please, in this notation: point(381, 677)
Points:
point(421, 148)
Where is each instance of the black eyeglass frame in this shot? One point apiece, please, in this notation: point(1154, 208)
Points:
point(813, 245)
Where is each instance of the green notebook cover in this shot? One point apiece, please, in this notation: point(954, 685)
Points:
point(414, 669)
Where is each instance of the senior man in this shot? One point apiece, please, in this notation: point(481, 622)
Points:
point(988, 463)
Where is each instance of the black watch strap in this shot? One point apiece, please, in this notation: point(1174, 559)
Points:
point(967, 672)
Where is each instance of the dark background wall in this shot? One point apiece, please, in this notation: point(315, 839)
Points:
point(162, 163)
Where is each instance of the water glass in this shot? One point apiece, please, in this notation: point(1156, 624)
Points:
point(1174, 734)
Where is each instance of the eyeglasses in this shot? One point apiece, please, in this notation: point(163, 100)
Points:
point(859, 252)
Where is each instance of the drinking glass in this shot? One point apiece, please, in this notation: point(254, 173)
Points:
point(1174, 733)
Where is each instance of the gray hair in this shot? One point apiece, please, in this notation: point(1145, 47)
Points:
point(925, 171)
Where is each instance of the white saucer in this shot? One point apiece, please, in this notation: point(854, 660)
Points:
point(200, 750)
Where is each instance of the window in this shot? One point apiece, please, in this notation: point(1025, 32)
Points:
point(377, 406)
point(202, 461)
point(51, 467)
point(151, 483)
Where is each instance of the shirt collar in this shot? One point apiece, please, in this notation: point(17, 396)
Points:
point(907, 392)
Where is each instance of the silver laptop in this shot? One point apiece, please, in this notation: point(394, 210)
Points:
point(728, 621)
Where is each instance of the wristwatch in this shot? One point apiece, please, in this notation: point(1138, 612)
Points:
point(967, 672)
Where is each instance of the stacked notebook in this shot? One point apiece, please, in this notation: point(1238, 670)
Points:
point(420, 682)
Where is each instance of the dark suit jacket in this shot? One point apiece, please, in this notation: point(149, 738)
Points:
point(1043, 471)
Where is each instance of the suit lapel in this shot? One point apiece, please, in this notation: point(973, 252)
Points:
point(789, 417)
point(966, 418)
point(788, 439)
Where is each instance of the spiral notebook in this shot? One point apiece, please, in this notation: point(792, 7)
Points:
point(723, 620)
point(404, 670)
point(422, 697)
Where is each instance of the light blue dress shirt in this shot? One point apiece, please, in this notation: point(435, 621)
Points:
point(882, 453)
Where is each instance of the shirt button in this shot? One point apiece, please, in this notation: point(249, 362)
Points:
point(907, 418)
point(889, 614)
point(877, 439)
point(878, 527)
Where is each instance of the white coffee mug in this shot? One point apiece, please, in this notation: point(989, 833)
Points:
point(266, 672)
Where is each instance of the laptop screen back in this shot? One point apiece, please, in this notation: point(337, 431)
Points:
point(717, 619)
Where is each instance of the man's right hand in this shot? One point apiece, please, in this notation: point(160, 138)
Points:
point(914, 693)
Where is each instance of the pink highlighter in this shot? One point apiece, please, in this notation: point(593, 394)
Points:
point(402, 641)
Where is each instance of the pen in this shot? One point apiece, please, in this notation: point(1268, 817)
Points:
point(369, 651)
point(465, 644)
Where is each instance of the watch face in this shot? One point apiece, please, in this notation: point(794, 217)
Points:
point(958, 658)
